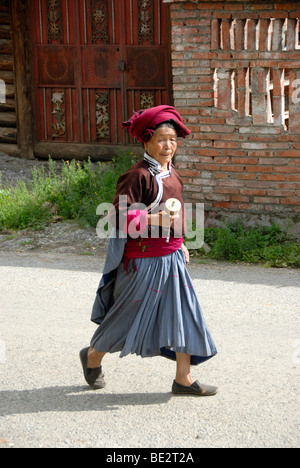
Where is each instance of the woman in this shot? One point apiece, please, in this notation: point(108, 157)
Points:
point(146, 303)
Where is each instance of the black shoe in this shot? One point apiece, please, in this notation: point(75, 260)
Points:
point(195, 389)
point(94, 377)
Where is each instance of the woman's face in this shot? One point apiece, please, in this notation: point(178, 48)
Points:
point(163, 145)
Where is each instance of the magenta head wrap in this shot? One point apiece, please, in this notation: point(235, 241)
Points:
point(142, 124)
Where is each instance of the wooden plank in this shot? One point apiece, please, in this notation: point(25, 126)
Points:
point(6, 62)
point(4, 31)
point(4, 5)
point(4, 18)
point(11, 149)
point(8, 135)
point(7, 76)
point(8, 119)
point(5, 46)
point(10, 91)
point(8, 106)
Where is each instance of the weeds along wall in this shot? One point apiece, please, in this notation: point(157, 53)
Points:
point(236, 80)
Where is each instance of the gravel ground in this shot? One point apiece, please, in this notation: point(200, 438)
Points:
point(46, 300)
point(13, 169)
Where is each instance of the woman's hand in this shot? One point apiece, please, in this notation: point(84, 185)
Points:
point(186, 254)
point(162, 219)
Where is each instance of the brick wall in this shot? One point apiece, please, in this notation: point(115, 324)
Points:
point(236, 79)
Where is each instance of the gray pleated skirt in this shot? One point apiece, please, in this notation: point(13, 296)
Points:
point(155, 312)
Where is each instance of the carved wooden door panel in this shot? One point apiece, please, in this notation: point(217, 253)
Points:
point(95, 62)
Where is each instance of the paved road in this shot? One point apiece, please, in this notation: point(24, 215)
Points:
point(253, 315)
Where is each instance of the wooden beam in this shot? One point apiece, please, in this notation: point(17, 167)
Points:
point(7, 119)
point(4, 31)
point(20, 32)
point(6, 62)
point(8, 135)
point(8, 106)
point(7, 76)
point(5, 46)
point(10, 149)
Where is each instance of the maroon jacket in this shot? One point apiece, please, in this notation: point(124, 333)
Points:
point(141, 187)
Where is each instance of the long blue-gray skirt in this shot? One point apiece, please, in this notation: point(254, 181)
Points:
point(154, 311)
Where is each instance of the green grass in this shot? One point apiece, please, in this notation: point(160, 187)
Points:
point(267, 245)
point(73, 195)
point(81, 187)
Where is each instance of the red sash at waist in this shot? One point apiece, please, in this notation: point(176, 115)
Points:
point(149, 247)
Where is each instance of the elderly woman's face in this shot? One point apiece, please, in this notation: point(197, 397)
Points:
point(162, 145)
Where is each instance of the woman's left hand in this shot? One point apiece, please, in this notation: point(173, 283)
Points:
point(186, 254)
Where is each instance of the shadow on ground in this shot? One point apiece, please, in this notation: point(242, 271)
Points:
point(72, 399)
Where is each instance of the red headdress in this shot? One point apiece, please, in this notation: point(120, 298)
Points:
point(142, 124)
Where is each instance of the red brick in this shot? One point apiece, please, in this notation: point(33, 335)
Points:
point(222, 160)
point(244, 160)
point(259, 169)
point(293, 178)
point(259, 6)
point(188, 173)
point(217, 197)
point(259, 192)
point(215, 34)
point(240, 198)
point(278, 14)
point(207, 167)
point(266, 200)
point(289, 154)
point(290, 201)
point(231, 168)
point(231, 7)
point(280, 193)
point(189, 6)
point(287, 6)
point(244, 176)
point(271, 177)
point(210, 6)
point(225, 144)
point(288, 186)
point(235, 153)
point(222, 205)
point(207, 152)
point(228, 190)
point(284, 169)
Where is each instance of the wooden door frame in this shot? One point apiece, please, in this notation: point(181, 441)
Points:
point(22, 54)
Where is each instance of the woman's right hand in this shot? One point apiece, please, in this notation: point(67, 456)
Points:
point(162, 219)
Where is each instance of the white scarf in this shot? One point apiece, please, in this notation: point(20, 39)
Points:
point(155, 170)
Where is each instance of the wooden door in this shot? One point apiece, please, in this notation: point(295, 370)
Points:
point(95, 62)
